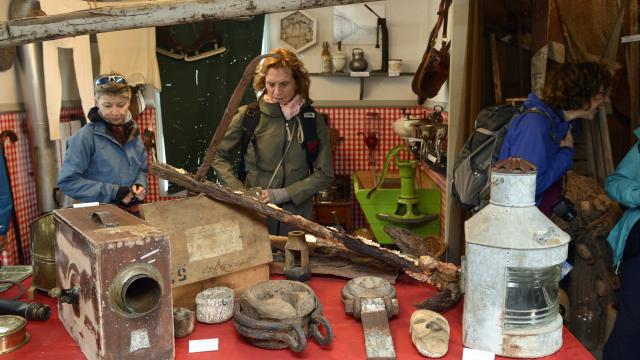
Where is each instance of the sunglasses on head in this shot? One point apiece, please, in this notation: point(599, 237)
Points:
point(110, 79)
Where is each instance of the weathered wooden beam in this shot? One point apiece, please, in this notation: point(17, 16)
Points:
point(147, 14)
point(359, 245)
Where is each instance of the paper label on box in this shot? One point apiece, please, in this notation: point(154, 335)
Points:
point(139, 340)
point(201, 244)
point(203, 345)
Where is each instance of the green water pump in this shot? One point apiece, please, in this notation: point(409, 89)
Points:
point(407, 210)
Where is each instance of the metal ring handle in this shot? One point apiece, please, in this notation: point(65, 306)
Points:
point(314, 329)
point(302, 339)
point(294, 340)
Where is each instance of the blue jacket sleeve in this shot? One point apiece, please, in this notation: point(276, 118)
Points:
point(531, 140)
point(623, 185)
point(6, 203)
point(72, 180)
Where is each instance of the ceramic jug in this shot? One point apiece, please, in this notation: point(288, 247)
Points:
point(358, 63)
point(339, 61)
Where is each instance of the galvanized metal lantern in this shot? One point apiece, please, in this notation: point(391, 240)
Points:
point(512, 269)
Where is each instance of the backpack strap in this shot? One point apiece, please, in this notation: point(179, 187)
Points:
point(552, 135)
point(311, 142)
point(250, 121)
point(486, 131)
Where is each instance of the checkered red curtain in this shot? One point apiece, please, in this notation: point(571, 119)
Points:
point(351, 155)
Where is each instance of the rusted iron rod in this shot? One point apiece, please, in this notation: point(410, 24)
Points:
point(214, 191)
point(232, 106)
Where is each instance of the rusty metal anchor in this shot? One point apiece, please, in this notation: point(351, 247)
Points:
point(373, 300)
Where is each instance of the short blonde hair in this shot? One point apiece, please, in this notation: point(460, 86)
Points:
point(287, 60)
point(111, 88)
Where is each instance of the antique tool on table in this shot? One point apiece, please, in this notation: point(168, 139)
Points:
point(407, 210)
point(184, 322)
point(373, 301)
point(114, 283)
point(514, 311)
point(278, 314)
point(13, 333)
point(30, 311)
point(43, 257)
point(214, 305)
point(296, 257)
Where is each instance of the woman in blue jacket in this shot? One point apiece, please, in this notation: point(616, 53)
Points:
point(106, 161)
point(542, 134)
point(6, 202)
point(623, 186)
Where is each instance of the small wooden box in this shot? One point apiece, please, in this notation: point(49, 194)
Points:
point(121, 266)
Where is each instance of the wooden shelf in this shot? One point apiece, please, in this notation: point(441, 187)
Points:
point(371, 74)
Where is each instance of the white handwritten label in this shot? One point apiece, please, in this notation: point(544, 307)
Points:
point(203, 345)
point(473, 354)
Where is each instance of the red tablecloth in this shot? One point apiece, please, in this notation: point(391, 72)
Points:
point(49, 340)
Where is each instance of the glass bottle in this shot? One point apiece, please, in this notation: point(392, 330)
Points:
point(326, 58)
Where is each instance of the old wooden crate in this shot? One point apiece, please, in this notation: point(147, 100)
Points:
point(212, 244)
point(239, 281)
point(121, 266)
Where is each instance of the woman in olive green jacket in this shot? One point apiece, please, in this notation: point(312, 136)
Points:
point(276, 157)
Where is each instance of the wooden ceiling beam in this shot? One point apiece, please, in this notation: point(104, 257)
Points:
point(148, 14)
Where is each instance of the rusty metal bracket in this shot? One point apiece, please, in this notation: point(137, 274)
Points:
point(105, 218)
point(373, 301)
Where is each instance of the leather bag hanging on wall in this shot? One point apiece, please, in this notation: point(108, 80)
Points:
point(434, 68)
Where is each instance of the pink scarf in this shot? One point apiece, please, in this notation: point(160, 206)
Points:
point(290, 109)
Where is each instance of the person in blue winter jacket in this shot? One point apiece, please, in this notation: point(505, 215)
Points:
point(6, 202)
point(623, 186)
point(106, 161)
point(542, 133)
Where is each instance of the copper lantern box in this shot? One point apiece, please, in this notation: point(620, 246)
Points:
point(113, 280)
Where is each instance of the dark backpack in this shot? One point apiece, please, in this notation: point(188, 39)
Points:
point(471, 181)
point(250, 121)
